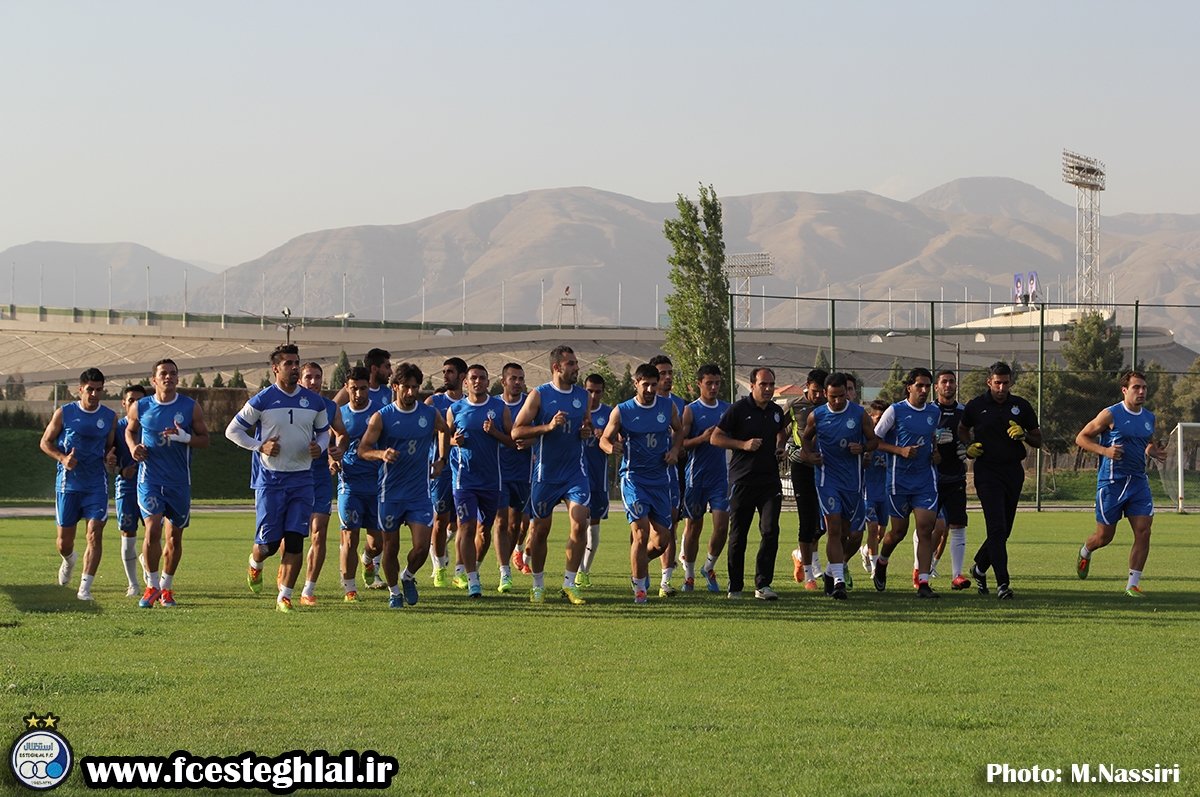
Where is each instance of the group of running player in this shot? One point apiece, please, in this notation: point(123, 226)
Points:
point(464, 463)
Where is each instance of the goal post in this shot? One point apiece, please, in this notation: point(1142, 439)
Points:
point(1179, 470)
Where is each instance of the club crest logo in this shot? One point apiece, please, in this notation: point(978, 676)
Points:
point(1016, 410)
point(178, 418)
point(929, 421)
point(576, 404)
point(661, 418)
point(491, 415)
point(850, 424)
point(303, 402)
point(777, 417)
point(422, 422)
point(1149, 427)
point(41, 758)
point(100, 423)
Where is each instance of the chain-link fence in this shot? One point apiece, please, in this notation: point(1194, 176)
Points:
point(1066, 363)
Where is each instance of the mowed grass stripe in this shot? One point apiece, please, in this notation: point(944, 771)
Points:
point(693, 695)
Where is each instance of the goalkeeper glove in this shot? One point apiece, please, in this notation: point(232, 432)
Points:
point(1015, 431)
point(975, 450)
point(962, 452)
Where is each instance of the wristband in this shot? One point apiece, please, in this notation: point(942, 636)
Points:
point(182, 437)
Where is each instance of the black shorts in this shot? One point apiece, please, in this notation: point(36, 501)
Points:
point(952, 500)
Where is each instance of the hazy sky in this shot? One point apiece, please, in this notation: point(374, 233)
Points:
point(217, 131)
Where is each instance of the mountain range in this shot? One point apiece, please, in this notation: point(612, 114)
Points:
point(960, 239)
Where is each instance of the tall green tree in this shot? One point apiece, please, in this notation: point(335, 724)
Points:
point(698, 305)
point(821, 361)
point(626, 389)
point(338, 379)
point(198, 380)
point(236, 379)
point(611, 384)
point(893, 389)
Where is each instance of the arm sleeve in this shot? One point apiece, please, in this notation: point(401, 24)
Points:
point(322, 439)
point(238, 430)
point(886, 422)
point(727, 423)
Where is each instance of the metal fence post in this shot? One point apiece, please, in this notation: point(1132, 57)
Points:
point(832, 335)
point(732, 358)
point(1041, 382)
point(1136, 307)
point(932, 353)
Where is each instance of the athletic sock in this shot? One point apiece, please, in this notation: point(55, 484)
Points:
point(255, 564)
point(443, 561)
point(882, 560)
point(568, 579)
point(349, 586)
point(539, 580)
point(816, 563)
point(85, 582)
point(129, 559)
point(366, 560)
point(406, 575)
point(593, 545)
point(378, 562)
point(875, 560)
point(152, 579)
point(958, 550)
point(167, 578)
point(284, 593)
point(635, 584)
point(505, 571)
point(922, 578)
point(394, 591)
point(689, 570)
point(838, 572)
point(1134, 577)
point(473, 578)
point(808, 573)
point(460, 570)
point(710, 564)
point(915, 565)
point(646, 583)
point(310, 588)
point(1087, 555)
point(667, 572)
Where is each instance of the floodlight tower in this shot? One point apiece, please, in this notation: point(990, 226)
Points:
point(1087, 175)
point(739, 269)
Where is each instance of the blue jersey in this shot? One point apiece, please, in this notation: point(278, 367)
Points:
point(558, 455)
point(839, 470)
point(409, 433)
point(515, 463)
point(168, 462)
point(597, 460)
point(124, 460)
point(1133, 432)
point(903, 425)
point(441, 402)
point(876, 477)
point(706, 463)
point(379, 396)
point(477, 466)
point(358, 476)
point(647, 433)
point(296, 419)
point(320, 465)
point(87, 433)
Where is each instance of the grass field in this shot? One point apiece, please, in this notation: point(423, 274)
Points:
point(883, 694)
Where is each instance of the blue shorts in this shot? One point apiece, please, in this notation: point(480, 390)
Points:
point(846, 503)
point(544, 496)
point(877, 512)
point(358, 511)
point(441, 492)
point(1129, 497)
point(479, 505)
point(643, 501)
point(127, 509)
point(902, 505)
point(70, 508)
point(414, 513)
point(698, 500)
point(322, 493)
point(598, 504)
point(282, 509)
point(174, 503)
point(517, 496)
point(673, 490)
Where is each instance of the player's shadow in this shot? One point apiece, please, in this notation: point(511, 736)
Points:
point(47, 599)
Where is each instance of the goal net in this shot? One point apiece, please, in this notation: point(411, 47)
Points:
point(1180, 472)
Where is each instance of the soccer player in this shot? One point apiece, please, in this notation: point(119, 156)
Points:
point(952, 482)
point(653, 438)
point(358, 480)
point(515, 464)
point(400, 436)
point(79, 438)
point(126, 492)
point(290, 426)
point(556, 418)
point(163, 429)
point(907, 431)
point(706, 479)
point(378, 363)
point(1122, 488)
point(806, 559)
point(875, 489)
point(748, 429)
point(1002, 425)
point(479, 425)
point(312, 378)
point(597, 468)
point(441, 488)
point(835, 438)
point(666, 381)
